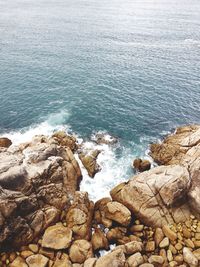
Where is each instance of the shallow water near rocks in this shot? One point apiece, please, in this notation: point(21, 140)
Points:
point(127, 67)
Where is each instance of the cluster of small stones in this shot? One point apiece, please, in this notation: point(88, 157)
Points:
point(171, 245)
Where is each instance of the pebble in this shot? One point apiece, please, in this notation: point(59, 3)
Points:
point(169, 233)
point(189, 258)
point(154, 259)
point(178, 246)
point(169, 255)
point(34, 248)
point(158, 236)
point(150, 246)
point(164, 243)
point(189, 243)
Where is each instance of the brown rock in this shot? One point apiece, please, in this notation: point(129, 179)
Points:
point(142, 165)
point(26, 253)
point(79, 216)
point(150, 246)
point(33, 247)
point(5, 142)
point(164, 243)
point(63, 261)
point(90, 262)
point(154, 196)
point(158, 236)
point(174, 147)
point(37, 260)
point(90, 162)
point(37, 181)
point(156, 260)
point(66, 140)
point(100, 210)
point(115, 258)
point(57, 237)
point(146, 265)
point(80, 251)
point(99, 240)
point(116, 233)
point(131, 247)
point(135, 260)
point(197, 253)
point(169, 233)
point(190, 258)
point(18, 262)
point(117, 212)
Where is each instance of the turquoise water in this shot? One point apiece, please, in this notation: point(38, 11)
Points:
point(129, 67)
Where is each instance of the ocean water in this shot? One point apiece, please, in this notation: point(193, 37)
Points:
point(130, 68)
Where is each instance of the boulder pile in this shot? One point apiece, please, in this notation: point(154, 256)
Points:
point(150, 220)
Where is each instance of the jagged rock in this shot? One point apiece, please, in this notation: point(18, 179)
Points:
point(103, 138)
point(63, 261)
point(157, 197)
point(80, 251)
point(57, 237)
point(115, 234)
point(100, 212)
point(183, 148)
point(66, 140)
point(115, 258)
point(37, 181)
point(5, 142)
point(117, 212)
point(79, 216)
point(99, 240)
point(89, 161)
point(174, 147)
point(142, 165)
point(37, 260)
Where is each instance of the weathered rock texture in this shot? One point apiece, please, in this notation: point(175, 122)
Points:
point(80, 215)
point(5, 142)
point(167, 194)
point(37, 181)
point(89, 161)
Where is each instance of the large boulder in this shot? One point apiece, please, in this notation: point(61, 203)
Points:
point(183, 148)
point(57, 237)
point(157, 197)
point(174, 147)
point(5, 142)
point(37, 181)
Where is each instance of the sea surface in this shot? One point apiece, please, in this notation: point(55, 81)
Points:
point(129, 68)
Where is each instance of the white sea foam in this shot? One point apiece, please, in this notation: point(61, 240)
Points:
point(115, 167)
point(54, 122)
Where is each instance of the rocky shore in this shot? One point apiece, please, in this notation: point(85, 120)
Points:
point(151, 220)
